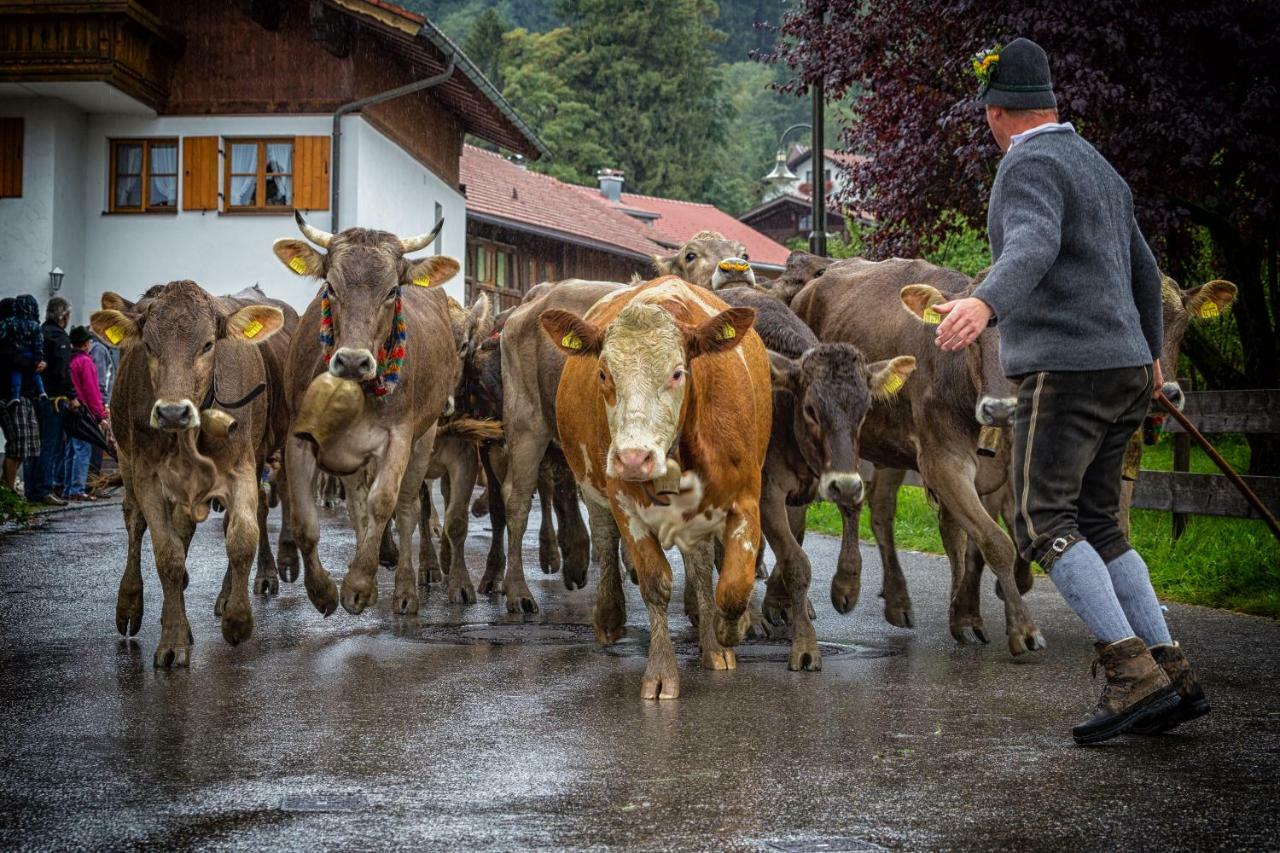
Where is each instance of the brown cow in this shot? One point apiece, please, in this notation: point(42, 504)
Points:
point(664, 412)
point(177, 455)
point(382, 450)
point(932, 426)
point(710, 260)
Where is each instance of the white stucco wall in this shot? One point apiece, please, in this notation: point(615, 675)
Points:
point(61, 220)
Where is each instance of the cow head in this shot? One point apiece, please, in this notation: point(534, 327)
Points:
point(364, 271)
point(832, 387)
point(708, 260)
point(1181, 309)
point(801, 269)
point(996, 403)
point(644, 358)
point(179, 329)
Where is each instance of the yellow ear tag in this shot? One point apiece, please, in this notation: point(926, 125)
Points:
point(930, 316)
point(297, 264)
point(728, 332)
point(115, 335)
point(571, 341)
point(1209, 310)
point(893, 384)
point(423, 281)
point(252, 328)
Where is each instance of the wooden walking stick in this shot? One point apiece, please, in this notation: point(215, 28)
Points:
point(1236, 480)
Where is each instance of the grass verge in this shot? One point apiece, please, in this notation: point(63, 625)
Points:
point(13, 509)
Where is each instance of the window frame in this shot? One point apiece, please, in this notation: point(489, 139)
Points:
point(261, 207)
point(113, 174)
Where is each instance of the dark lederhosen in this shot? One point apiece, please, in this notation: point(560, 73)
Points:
point(1069, 436)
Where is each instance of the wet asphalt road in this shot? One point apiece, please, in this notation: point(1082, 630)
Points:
point(466, 729)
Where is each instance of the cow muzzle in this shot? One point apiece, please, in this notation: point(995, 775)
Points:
point(732, 272)
point(174, 415)
point(636, 464)
point(358, 365)
point(842, 487)
point(996, 411)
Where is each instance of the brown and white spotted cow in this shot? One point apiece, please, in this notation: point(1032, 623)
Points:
point(197, 411)
point(664, 412)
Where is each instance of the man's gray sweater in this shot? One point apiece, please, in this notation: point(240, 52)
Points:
point(1073, 285)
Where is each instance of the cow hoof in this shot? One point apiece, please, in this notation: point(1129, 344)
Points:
point(521, 603)
point(607, 635)
point(172, 657)
point(776, 611)
point(729, 632)
point(719, 659)
point(406, 603)
point(489, 585)
point(901, 617)
point(965, 634)
point(323, 595)
point(805, 657)
point(759, 629)
point(462, 595)
point(656, 687)
point(433, 575)
point(575, 577)
point(237, 625)
point(844, 596)
point(266, 585)
point(129, 614)
point(356, 598)
point(550, 565)
point(1028, 642)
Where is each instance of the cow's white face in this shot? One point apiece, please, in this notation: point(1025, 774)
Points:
point(643, 377)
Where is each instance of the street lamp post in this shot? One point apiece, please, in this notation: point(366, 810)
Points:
point(782, 174)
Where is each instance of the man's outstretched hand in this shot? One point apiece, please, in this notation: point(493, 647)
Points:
point(964, 320)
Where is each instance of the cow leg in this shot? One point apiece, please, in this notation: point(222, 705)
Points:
point(446, 495)
point(427, 555)
point(898, 610)
point(174, 649)
point(610, 614)
point(796, 572)
point(738, 574)
point(129, 596)
point(388, 548)
point(305, 523)
point(242, 543)
point(697, 574)
point(267, 579)
point(525, 456)
point(405, 599)
point(496, 560)
point(462, 465)
point(548, 547)
point(661, 678)
point(965, 609)
point(575, 543)
point(287, 559)
point(951, 477)
point(360, 586)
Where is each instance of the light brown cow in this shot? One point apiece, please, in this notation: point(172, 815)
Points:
point(664, 412)
point(710, 260)
point(198, 410)
point(383, 448)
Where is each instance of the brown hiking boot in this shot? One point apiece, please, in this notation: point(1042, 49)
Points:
point(1136, 689)
point(1191, 699)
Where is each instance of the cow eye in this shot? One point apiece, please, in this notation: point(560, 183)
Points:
point(745, 256)
point(208, 347)
point(391, 294)
point(690, 258)
point(810, 412)
point(604, 377)
point(677, 374)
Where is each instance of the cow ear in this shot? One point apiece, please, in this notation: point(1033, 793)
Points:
point(888, 377)
point(298, 256)
point(115, 328)
point(722, 332)
point(112, 301)
point(784, 373)
point(919, 300)
point(429, 272)
point(574, 335)
point(664, 264)
point(1209, 300)
point(254, 323)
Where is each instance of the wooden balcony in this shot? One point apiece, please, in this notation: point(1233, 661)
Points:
point(115, 41)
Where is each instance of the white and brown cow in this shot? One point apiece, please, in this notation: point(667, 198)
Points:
point(664, 413)
point(198, 409)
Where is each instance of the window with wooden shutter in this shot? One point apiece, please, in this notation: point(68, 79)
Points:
point(11, 157)
point(200, 173)
point(144, 176)
point(311, 172)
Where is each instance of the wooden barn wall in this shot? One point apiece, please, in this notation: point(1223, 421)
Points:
point(231, 66)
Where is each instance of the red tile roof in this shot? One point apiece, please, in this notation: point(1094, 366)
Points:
point(500, 190)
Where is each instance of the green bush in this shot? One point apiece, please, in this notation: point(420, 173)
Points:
point(12, 507)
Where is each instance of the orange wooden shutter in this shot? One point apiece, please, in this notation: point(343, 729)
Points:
point(200, 173)
point(311, 172)
point(11, 157)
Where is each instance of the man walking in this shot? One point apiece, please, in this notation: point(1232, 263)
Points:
point(39, 474)
point(1076, 292)
point(18, 418)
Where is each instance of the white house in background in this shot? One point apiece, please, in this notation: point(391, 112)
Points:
point(143, 141)
point(801, 164)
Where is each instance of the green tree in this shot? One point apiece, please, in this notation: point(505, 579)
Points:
point(484, 45)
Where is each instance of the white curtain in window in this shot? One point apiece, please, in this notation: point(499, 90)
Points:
point(164, 163)
point(244, 187)
point(128, 176)
point(280, 173)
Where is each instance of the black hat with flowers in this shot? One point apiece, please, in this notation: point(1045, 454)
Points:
point(1015, 76)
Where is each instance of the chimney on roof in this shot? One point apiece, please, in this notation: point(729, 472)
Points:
point(610, 183)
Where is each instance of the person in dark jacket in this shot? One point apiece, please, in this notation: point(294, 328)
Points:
point(22, 329)
point(40, 474)
point(19, 420)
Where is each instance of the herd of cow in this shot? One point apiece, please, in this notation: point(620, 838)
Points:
point(702, 410)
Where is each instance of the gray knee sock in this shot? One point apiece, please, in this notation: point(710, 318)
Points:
point(1132, 583)
point(1082, 578)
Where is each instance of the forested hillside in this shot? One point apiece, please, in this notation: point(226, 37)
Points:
point(663, 89)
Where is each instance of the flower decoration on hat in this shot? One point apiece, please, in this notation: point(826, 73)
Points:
point(984, 63)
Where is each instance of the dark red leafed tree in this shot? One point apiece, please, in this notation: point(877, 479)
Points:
point(1182, 97)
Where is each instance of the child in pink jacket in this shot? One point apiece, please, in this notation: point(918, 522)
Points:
point(84, 378)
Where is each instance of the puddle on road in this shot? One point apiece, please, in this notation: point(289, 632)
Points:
point(324, 803)
point(824, 845)
point(635, 644)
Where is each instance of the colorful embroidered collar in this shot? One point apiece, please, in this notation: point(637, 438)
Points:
point(390, 354)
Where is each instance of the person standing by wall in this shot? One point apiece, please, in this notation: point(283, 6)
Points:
point(41, 473)
point(1077, 295)
point(22, 327)
point(18, 420)
point(84, 377)
point(105, 359)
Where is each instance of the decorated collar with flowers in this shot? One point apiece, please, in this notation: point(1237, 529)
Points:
point(984, 63)
point(390, 354)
